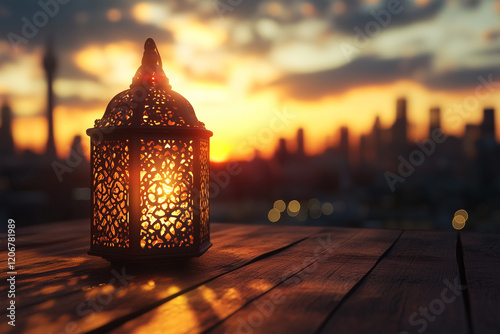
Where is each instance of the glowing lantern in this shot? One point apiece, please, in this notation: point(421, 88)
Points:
point(150, 170)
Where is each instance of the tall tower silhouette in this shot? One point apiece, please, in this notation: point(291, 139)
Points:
point(50, 64)
point(344, 142)
point(377, 138)
point(6, 138)
point(300, 142)
point(400, 135)
point(435, 120)
point(488, 124)
point(281, 154)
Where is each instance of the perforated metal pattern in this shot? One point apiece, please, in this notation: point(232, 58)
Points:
point(159, 107)
point(110, 186)
point(166, 193)
point(204, 189)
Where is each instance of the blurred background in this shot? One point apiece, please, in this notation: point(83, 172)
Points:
point(367, 113)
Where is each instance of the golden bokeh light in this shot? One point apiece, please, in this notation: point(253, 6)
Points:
point(462, 213)
point(274, 215)
point(460, 219)
point(294, 206)
point(280, 205)
point(458, 222)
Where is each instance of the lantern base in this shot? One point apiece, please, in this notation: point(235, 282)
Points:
point(149, 259)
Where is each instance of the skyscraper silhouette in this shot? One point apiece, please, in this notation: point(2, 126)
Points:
point(344, 142)
point(300, 142)
point(281, 154)
point(400, 125)
point(6, 138)
point(49, 65)
point(488, 124)
point(377, 138)
point(435, 120)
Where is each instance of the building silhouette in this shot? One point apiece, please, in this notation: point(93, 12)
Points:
point(300, 143)
point(49, 65)
point(377, 139)
point(281, 154)
point(6, 138)
point(434, 120)
point(488, 124)
point(400, 127)
point(344, 142)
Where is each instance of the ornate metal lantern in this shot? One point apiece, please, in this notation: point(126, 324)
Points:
point(149, 173)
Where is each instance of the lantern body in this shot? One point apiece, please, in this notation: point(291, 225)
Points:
point(149, 173)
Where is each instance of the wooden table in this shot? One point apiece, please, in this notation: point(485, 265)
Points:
point(262, 279)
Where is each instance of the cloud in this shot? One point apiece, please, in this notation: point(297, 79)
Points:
point(357, 14)
point(464, 78)
point(362, 71)
point(368, 71)
point(76, 24)
point(81, 23)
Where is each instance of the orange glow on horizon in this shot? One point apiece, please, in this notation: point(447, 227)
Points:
point(237, 134)
point(30, 133)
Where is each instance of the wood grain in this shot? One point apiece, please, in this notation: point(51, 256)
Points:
point(481, 256)
point(91, 306)
point(218, 299)
point(262, 279)
point(407, 284)
point(303, 301)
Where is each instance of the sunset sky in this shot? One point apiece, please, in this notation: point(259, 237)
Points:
point(244, 63)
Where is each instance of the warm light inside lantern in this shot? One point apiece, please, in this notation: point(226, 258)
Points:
point(166, 199)
point(171, 215)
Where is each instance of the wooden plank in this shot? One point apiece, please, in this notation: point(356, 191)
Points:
point(206, 305)
point(111, 298)
point(37, 259)
point(51, 233)
point(35, 253)
point(301, 303)
point(67, 265)
point(411, 290)
point(62, 232)
point(481, 257)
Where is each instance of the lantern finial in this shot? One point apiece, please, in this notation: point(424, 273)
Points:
point(150, 74)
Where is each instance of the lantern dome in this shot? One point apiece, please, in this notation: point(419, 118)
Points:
point(150, 101)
